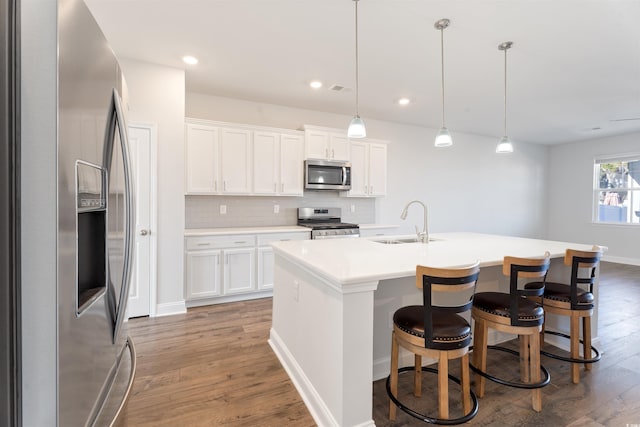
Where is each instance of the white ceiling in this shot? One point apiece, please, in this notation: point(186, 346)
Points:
point(573, 71)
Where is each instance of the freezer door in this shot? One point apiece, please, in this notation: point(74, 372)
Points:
point(120, 213)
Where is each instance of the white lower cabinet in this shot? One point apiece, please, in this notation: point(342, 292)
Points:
point(224, 268)
point(265, 268)
point(203, 274)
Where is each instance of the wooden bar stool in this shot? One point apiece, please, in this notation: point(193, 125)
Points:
point(576, 302)
point(513, 313)
point(436, 330)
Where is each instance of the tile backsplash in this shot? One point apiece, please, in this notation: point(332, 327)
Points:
point(258, 211)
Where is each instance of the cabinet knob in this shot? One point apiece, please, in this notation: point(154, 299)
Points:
point(145, 232)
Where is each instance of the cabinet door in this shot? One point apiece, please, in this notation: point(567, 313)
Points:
point(339, 146)
point(235, 155)
point(265, 268)
point(377, 169)
point(202, 160)
point(316, 144)
point(291, 165)
point(266, 162)
point(239, 267)
point(203, 274)
point(359, 169)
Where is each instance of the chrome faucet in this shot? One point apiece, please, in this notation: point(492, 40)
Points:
point(423, 236)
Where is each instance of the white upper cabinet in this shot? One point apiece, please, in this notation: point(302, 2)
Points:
point(235, 155)
point(377, 169)
point(291, 165)
point(243, 160)
point(202, 172)
point(266, 162)
point(278, 163)
point(326, 144)
point(368, 169)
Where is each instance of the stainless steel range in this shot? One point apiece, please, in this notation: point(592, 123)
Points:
point(325, 223)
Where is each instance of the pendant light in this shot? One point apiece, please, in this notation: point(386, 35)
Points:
point(443, 138)
point(356, 127)
point(505, 145)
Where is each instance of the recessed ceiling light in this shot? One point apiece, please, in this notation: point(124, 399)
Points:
point(404, 101)
point(316, 84)
point(191, 60)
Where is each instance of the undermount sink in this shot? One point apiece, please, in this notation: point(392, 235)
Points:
point(405, 240)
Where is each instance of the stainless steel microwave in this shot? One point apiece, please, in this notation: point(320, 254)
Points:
point(327, 175)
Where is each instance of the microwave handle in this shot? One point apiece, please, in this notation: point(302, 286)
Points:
point(344, 175)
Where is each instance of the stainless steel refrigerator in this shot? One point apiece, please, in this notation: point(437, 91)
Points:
point(96, 358)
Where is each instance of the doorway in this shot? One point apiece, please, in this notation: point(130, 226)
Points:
point(143, 147)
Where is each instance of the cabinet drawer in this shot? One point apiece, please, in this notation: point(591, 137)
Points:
point(215, 242)
point(266, 239)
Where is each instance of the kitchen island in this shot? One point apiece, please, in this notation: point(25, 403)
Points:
point(333, 303)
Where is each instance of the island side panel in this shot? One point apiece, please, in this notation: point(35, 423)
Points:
point(323, 339)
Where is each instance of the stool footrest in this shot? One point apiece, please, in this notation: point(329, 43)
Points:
point(426, 418)
point(594, 359)
point(545, 380)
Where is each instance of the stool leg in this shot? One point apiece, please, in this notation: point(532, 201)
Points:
point(535, 371)
point(586, 337)
point(480, 353)
point(466, 388)
point(575, 348)
point(443, 385)
point(524, 358)
point(417, 376)
point(394, 376)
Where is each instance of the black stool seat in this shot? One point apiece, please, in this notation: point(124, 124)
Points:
point(450, 330)
point(562, 293)
point(499, 303)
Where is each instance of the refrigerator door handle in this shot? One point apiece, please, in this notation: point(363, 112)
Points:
point(117, 120)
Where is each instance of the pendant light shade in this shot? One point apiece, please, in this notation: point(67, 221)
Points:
point(356, 127)
point(505, 145)
point(443, 138)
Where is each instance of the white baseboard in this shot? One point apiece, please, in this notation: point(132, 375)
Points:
point(316, 406)
point(170, 308)
point(228, 298)
point(621, 260)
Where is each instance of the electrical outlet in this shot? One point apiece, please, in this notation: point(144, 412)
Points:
point(353, 208)
point(223, 209)
point(276, 208)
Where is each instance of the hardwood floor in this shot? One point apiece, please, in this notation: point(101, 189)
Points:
point(213, 366)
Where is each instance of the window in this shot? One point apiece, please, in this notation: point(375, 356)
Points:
point(616, 190)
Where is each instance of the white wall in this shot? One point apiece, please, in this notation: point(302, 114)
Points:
point(570, 195)
point(156, 95)
point(467, 187)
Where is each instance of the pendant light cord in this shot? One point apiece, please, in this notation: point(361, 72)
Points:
point(442, 69)
point(505, 92)
point(357, 85)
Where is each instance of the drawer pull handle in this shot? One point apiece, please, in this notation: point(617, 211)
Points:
point(204, 244)
point(284, 240)
point(240, 242)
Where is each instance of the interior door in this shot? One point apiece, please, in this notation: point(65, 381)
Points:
point(140, 144)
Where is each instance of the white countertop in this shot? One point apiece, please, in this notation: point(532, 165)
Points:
point(350, 261)
point(191, 232)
